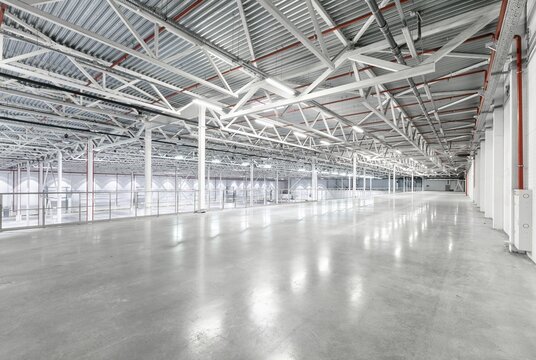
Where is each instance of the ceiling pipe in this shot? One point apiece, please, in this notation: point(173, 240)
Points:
point(495, 38)
point(297, 44)
point(519, 73)
point(395, 49)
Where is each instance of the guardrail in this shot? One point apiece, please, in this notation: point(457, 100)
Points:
point(34, 209)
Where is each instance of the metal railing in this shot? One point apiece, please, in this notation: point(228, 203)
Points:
point(34, 209)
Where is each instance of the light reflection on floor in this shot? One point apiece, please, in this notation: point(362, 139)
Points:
point(400, 277)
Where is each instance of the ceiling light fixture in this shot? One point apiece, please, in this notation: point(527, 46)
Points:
point(264, 123)
point(357, 129)
point(280, 86)
point(300, 134)
point(208, 104)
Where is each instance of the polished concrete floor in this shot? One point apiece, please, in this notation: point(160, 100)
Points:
point(408, 277)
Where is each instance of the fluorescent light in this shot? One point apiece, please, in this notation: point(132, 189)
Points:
point(216, 161)
point(300, 134)
point(264, 123)
point(334, 173)
point(324, 142)
point(302, 170)
point(179, 157)
point(265, 166)
point(280, 86)
point(244, 164)
point(274, 109)
point(357, 129)
point(208, 104)
point(398, 151)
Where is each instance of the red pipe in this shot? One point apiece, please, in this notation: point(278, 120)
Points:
point(519, 72)
point(502, 13)
point(3, 8)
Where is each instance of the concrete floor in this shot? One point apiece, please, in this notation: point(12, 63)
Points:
point(414, 277)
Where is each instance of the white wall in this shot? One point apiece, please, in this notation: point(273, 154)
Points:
point(488, 175)
point(494, 170)
point(530, 123)
point(470, 180)
point(497, 186)
point(442, 184)
point(476, 179)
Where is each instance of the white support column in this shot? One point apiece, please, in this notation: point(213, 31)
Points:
point(412, 181)
point(488, 174)
point(354, 175)
point(132, 189)
point(251, 184)
point(510, 151)
point(208, 185)
point(41, 196)
point(364, 180)
point(28, 178)
point(148, 170)
point(277, 186)
point(314, 180)
point(90, 181)
point(394, 179)
point(476, 178)
point(482, 181)
point(59, 197)
point(388, 183)
point(498, 167)
point(371, 183)
point(201, 160)
point(18, 198)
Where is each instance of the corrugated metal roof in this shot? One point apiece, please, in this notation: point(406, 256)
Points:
point(219, 23)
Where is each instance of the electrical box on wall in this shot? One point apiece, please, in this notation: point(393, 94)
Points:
point(522, 220)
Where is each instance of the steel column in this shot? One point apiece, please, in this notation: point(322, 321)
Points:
point(40, 189)
point(314, 180)
point(148, 171)
point(17, 195)
point(90, 182)
point(354, 175)
point(59, 197)
point(27, 192)
point(394, 179)
point(201, 160)
point(250, 184)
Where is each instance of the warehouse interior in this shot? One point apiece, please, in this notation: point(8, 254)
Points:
point(267, 179)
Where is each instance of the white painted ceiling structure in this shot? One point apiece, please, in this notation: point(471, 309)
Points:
point(285, 83)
